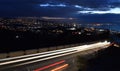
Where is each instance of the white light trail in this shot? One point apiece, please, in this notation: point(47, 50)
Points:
point(54, 54)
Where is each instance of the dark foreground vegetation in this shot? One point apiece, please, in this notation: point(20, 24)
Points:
point(106, 60)
point(12, 40)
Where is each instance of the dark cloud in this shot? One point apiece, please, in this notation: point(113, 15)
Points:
point(115, 4)
point(100, 18)
point(32, 7)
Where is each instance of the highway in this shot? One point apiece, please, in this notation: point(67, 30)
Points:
point(16, 62)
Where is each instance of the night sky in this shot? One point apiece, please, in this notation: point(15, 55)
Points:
point(84, 10)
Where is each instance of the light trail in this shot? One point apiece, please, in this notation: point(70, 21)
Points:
point(51, 65)
point(45, 58)
point(26, 59)
point(60, 68)
point(31, 55)
point(52, 54)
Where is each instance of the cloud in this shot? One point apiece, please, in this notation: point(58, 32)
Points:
point(57, 18)
point(77, 6)
point(99, 18)
point(82, 8)
point(112, 10)
point(57, 7)
point(52, 5)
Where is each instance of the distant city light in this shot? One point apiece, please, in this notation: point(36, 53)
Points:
point(72, 28)
point(79, 33)
point(17, 36)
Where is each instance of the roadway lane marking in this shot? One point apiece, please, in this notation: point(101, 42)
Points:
point(48, 66)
